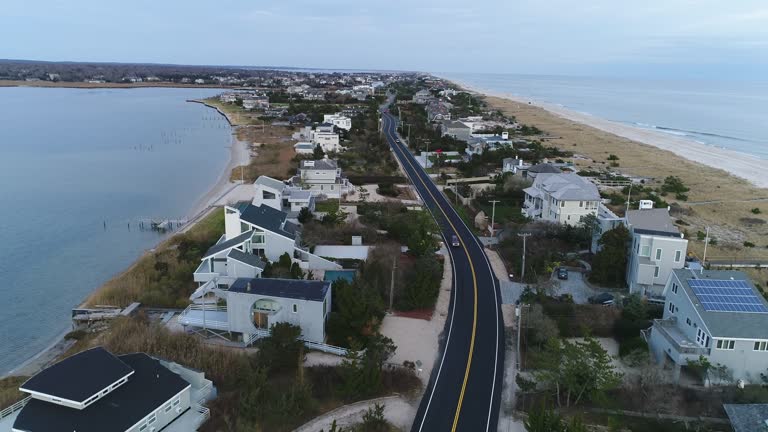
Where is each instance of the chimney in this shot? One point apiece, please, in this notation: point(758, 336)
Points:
point(505, 135)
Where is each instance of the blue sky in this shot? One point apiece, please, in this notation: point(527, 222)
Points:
point(596, 37)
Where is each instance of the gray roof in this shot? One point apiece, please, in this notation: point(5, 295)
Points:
point(284, 288)
point(746, 325)
point(231, 243)
point(322, 164)
point(299, 195)
point(246, 258)
point(747, 417)
point(567, 187)
point(267, 218)
point(270, 182)
point(454, 125)
point(652, 221)
point(544, 168)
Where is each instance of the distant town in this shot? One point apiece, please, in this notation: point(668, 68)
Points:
point(373, 214)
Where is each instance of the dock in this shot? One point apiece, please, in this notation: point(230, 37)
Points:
point(101, 313)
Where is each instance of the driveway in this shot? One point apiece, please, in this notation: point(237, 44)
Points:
point(576, 287)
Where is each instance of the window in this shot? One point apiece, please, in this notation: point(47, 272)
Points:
point(671, 307)
point(645, 251)
point(581, 203)
point(267, 195)
point(143, 427)
point(656, 271)
point(244, 227)
point(702, 338)
point(725, 344)
point(658, 254)
point(678, 255)
point(152, 419)
point(674, 287)
point(167, 408)
point(176, 402)
point(295, 308)
point(761, 346)
point(688, 321)
point(562, 203)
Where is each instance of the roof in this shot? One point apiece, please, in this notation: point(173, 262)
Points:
point(269, 219)
point(567, 187)
point(320, 164)
point(544, 168)
point(311, 290)
point(246, 258)
point(299, 195)
point(79, 377)
point(270, 182)
point(233, 242)
point(147, 389)
point(746, 325)
point(454, 125)
point(652, 221)
point(747, 417)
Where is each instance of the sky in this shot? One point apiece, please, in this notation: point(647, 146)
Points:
point(558, 37)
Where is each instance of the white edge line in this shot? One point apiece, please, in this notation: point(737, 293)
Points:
point(453, 307)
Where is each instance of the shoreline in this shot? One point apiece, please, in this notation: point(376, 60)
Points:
point(238, 155)
point(742, 165)
point(86, 85)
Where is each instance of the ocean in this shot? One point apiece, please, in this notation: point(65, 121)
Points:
point(79, 168)
point(727, 114)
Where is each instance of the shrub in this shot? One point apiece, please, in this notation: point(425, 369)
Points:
point(749, 244)
point(387, 189)
point(628, 346)
point(756, 210)
point(75, 335)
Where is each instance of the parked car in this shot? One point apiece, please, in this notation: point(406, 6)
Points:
point(602, 299)
point(455, 241)
point(562, 273)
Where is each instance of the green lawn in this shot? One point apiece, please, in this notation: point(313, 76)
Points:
point(327, 206)
point(504, 212)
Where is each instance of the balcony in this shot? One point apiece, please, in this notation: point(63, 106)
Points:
point(205, 316)
point(685, 348)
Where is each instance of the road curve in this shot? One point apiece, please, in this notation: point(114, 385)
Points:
point(464, 391)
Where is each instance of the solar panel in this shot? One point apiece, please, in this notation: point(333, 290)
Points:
point(727, 296)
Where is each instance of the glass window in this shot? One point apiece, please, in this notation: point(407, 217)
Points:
point(674, 287)
point(678, 255)
point(295, 308)
point(658, 254)
point(167, 408)
point(725, 344)
point(702, 338)
point(656, 272)
point(176, 402)
point(143, 427)
point(671, 307)
point(761, 346)
point(645, 251)
point(152, 418)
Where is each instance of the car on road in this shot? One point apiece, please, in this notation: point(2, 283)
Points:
point(397, 140)
point(455, 241)
point(562, 273)
point(602, 299)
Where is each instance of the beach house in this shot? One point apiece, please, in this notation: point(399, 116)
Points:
point(339, 120)
point(247, 308)
point(280, 196)
point(254, 235)
point(715, 314)
point(96, 391)
point(561, 198)
point(322, 176)
point(326, 138)
point(514, 165)
point(657, 249)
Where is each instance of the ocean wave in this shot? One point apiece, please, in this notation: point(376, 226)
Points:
point(686, 132)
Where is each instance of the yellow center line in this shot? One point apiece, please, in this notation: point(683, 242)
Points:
point(474, 283)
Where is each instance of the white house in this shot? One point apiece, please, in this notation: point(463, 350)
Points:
point(253, 236)
point(95, 391)
point(338, 120)
point(252, 306)
point(717, 314)
point(561, 198)
point(658, 248)
point(280, 196)
point(323, 177)
point(514, 165)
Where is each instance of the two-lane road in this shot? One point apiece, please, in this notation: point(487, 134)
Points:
point(465, 388)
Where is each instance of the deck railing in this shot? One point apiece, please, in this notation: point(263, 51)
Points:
point(203, 414)
point(15, 407)
point(330, 349)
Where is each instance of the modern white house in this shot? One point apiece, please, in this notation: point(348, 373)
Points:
point(514, 165)
point(322, 176)
point(281, 196)
point(561, 198)
point(657, 249)
point(339, 120)
point(717, 314)
point(95, 391)
point(478, 145)
point(455, 129)
point(253, 236)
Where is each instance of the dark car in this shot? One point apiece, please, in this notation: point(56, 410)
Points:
point(455, 241)
point(562, 273)
point(602, 299)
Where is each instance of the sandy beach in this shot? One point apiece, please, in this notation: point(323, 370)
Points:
point(747, 167)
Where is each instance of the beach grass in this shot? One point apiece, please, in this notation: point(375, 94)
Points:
point(717, 199)
point(9, 390)
point(274, 155)
point(163, 276)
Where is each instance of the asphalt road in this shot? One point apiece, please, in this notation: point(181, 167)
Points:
point(464, 390)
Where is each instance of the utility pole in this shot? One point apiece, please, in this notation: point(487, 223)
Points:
point(493, 216)
point(704, 260)
point(522, 272)
point(392, 282)
point(629, 195)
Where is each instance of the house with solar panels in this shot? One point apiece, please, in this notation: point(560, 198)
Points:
point(96, 391)
point(717, 314)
